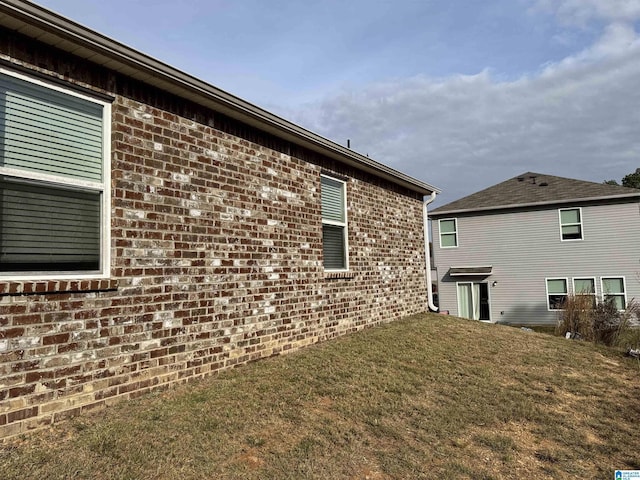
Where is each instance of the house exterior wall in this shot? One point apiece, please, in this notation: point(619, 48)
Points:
point(216, 257)
point(524, 248)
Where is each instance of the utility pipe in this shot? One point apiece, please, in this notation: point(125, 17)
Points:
point(427, 257)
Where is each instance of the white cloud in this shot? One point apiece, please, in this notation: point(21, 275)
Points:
point(617, 40)
point(581, 12)
point(577, 118)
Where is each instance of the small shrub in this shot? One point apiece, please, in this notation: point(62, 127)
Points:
point(630, 339)
point(629, 333)
point(607, 323)
point(576, 317)
point(600, 323)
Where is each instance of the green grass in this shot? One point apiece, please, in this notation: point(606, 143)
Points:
point(427, 397)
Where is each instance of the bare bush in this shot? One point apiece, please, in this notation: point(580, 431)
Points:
point(607, 323)
point(630, 339)
point(576, 317)
point(599, 323)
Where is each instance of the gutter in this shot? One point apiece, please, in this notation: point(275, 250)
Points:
point(427, 257)
point(53, 29)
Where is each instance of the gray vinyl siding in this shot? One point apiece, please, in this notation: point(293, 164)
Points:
point(525, 248)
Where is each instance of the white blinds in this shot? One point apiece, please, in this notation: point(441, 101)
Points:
point(333, 247)
point(50, 221)
point(332, 200)
point(48, 131)
point(46, 226)
point(334, 226)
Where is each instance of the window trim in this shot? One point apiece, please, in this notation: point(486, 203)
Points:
point(103, 188)
point(546, 286)
point(580, 224)
point(624, 286)
point(595, 288)
point(335, 223)
point(474, 298)
point(455, 231)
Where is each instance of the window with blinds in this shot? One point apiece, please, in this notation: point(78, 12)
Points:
point(53, 157)
point(334, 223)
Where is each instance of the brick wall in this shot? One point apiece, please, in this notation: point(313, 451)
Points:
point(216, 258)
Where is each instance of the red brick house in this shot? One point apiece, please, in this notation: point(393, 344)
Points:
point(155, 229)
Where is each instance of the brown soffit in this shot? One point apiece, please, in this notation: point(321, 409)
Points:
point(50, 28)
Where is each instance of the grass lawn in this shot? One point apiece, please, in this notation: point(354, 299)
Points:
point(427, 397)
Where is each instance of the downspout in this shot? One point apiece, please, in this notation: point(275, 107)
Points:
point(427, 257)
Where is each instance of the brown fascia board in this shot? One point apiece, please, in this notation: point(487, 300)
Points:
point(53, 29)
point(479, 270)
point(517, 206)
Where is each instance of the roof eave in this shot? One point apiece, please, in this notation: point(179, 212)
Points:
point(471, 271)
point(50, 28)
point(436, 213)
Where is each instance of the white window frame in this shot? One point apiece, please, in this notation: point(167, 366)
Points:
point(474, 298)
point(104, 188)
point(595, 288)
point(580, 224)
point(344, 224)
point(546, 287)
point(455, 231)
point(624, 286)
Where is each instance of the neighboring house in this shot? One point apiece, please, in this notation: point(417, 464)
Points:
point(155, 229)
point(512, 252)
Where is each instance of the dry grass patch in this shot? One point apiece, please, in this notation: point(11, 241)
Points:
point(428, 397)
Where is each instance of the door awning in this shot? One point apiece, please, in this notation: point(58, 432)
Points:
point(480, 271)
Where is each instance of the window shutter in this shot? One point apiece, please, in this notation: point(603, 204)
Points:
point(332, 200)
point(49, 132)
point(45, 226)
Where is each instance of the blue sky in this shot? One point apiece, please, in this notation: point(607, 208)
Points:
point(460, 94)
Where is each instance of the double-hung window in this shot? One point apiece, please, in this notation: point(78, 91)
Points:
point(570, 223)
point(54, 180)
point(556, 293)
point(448, 233)
point(613, 290)
point(334, 223)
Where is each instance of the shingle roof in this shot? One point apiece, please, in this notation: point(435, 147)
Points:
point(530, 189)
